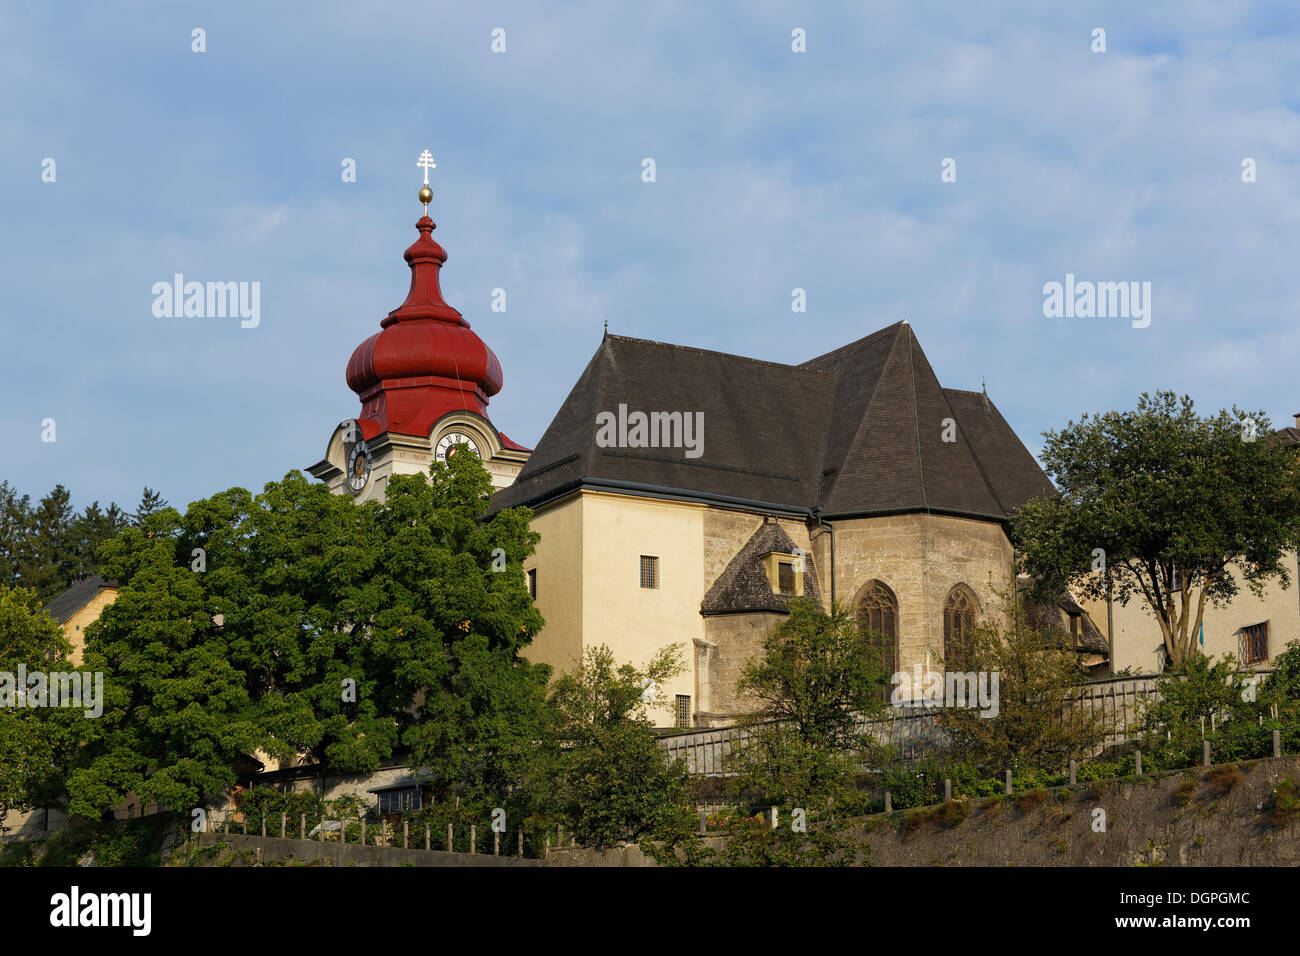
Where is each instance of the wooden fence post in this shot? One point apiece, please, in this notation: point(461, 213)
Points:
point(284, 823)
point(947, 789)
point(889, 802)
point(427, 835)
point(405, 834)
point(363, 831)
point(1277, 743)
point(521, 841)
point(1008, 783)
point(1137, 763)
point(1205, 752)
point(473, 838)
point(451, 842)
point(302, 827)
point(263, 824)
point(1073, 777)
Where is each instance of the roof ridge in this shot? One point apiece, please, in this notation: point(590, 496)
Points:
point(855, 342)
point(743, 358)
point(916, 421)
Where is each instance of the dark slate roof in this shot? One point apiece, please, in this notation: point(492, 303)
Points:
point(744, 586)
point(1046, 617)
point(76, 597)
point(856, 431)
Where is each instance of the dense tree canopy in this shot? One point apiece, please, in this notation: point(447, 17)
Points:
point(1163, 504)
point(296, 622)
point(33, 742)
point(47, 546)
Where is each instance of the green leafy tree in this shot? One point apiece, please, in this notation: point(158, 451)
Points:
point(298, 623)
point(1035, 726)
point(34, 742)
point(601, 768)
point(818, 678)
point(1184, 510)
point(1201, 690)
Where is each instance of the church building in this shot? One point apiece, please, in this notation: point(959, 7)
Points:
point(685, 496)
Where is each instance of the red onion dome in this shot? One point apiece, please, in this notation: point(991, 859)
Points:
point(426, 361)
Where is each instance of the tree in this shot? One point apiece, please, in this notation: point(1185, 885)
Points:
point(1190, 702)
point(48, 556)
point(48, 547)
point(33, 743)
point(298, 623)
point(601, 767)
point(1035, 725)
point(151, 502)
point(1161, 503)
point(816, 681)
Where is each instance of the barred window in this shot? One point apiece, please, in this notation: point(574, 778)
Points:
point(785, 577)
point(532, 584)
point(649, 571)
point(683, 710)
point(1253, 643)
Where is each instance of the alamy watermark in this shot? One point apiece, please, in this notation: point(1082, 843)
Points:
point(73, 689)
point(653, 430)
point(1098, 300)
point(974, 689)
point(213, 300)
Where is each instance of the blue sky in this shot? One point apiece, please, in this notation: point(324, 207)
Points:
point(775, 170)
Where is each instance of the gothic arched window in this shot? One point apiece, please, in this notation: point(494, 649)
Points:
point(959, 613)
point(878, 615)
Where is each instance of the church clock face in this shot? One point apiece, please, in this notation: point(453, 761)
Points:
point(358, 470)
point(447, 445)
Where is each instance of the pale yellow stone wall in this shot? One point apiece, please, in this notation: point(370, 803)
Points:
point(558, 562)
point(589, 583)
point(920, 557)
point(1138, 643)
point(74, 628)
point(636, 622)
point(735, 639)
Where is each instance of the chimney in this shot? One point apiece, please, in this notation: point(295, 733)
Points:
point(1297, 419)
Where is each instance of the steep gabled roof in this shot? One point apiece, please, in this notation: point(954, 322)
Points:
point(76, 597)
point(860, 430)
point(744, 586)
point(764, 425)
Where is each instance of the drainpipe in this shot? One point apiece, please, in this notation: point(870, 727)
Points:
point(817, 513)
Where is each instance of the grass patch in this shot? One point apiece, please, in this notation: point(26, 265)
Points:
point(955, 812)
point(1286, 802)
point(1224, 779)
point(1031, 800)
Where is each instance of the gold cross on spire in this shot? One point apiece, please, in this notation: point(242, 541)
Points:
point(426, 163)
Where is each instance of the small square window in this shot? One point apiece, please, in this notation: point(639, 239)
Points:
point(683, 710)
point(532, 584)
point(649, 571)
point(785, 577)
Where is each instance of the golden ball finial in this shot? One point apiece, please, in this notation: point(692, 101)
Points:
point(426, 194)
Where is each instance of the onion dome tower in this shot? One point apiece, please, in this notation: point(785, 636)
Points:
point(424, 381)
